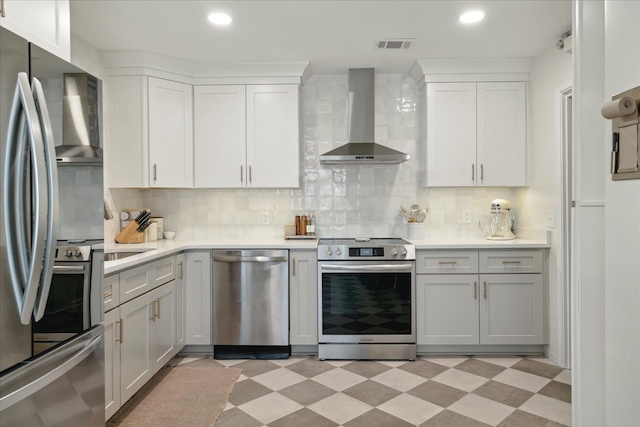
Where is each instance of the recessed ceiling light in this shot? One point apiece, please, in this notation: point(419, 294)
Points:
point(220, 19)
point(472, 17)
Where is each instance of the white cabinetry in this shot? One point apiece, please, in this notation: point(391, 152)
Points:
point(303, 296)
point(476, 134)
point(112, 336)
point(198, 283)
point(247, 136)
point(499, 300)
point(181, 302)
point(151, 128)
point(46, 23)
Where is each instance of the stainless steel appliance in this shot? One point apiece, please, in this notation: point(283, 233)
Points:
point(75, 301)
point(251, 304)
point(65, 384)
point(366, 299)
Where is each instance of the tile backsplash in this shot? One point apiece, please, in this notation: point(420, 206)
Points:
point(80, 213)
point(347, 201)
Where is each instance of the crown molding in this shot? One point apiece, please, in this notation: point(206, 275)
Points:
point(460, 70)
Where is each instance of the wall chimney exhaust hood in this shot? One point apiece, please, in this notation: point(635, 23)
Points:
point(361, 149)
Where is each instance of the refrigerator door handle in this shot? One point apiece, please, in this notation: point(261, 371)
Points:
point(25, 265)
point(64, 367)
point(52, 197)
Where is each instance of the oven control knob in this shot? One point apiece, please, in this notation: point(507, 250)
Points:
point(338, 251)
point(69, 253)
point(329, 252)
point(403, 253)
point(77, 252)
point(394, 251)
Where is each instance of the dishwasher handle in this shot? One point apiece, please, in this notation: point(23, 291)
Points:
point(230, 258)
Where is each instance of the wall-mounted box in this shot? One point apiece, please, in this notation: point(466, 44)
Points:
point(625, 151)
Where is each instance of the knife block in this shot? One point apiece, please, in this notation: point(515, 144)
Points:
point(130, 234)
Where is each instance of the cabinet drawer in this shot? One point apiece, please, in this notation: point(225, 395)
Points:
point(510, 261)
point(446, 262)
point(143, 278)
point(111, 292)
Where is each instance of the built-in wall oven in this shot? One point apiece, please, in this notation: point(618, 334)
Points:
point(366, 299)
point(71, 297)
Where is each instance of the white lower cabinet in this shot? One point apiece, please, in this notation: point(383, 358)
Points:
point(181, 302)
point(467, 309)
point(303, 298)
point(198, 311)
point(163, 330)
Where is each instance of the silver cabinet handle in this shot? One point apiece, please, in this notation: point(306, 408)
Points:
point(485, 289)
point(51, 376)
point(482, 172)
point(181, 272)
point(447, 262)
point(25, 262)
point(52, 197)
point(108, 294)
point(511, 262)
point(158, 311)
point(241, 174)
point(121, 339)
point(155, 172)
point(250, 179)
point(473, 172)
point(330, 268)
point(3, 8)
point(475, 290)
point(227, 258)
point(153, 310)
point(293, 268)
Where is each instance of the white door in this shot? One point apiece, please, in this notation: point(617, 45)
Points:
point(511, 309)
point(198, 280)
point(135, 346)
point(273, 136)
point(111, 362)
point(170, 134)
point(303, 298)
point(451, 135)
point(447, 309)
point(164, 324)
point(220, 136)
point(45, 23)
point(502, 131)
point(181, 302)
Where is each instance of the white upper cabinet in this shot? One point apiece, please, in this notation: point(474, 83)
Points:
point(151, 133)
point(476, 134)
point(170, 134)
point(247, 136)
point(501, 136)
point(220, 136)
point(46, 23)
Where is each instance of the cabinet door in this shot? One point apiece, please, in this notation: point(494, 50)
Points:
point(164, 324)
point(135, 282)
point(220, 136)
point(511, 309)
point(135, 346)
point(447, 309)
point(501, 136)
point(303, 294)
point(170, 134)
point(112, 337)
point(273, 136)
point(451, 134)
point(181, 302)
point(45, 23)
point(198, 280)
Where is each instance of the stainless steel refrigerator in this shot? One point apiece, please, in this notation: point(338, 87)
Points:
point(63, 386)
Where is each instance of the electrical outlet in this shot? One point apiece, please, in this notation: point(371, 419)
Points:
point(265, 218)
point(466, 217)
point(551, 219)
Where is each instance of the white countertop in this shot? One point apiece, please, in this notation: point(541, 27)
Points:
point(154, 250)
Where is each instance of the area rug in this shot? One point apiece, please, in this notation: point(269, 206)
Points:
point(179, 396)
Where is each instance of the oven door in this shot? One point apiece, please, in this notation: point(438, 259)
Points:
point(67, 311)
point(366, 302)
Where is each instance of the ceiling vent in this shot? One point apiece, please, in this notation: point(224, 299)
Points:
point(395, 44)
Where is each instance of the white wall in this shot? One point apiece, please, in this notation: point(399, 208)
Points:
point(622, 231)
point(549, 70)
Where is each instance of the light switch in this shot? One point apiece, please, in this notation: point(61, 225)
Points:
point(551, 219)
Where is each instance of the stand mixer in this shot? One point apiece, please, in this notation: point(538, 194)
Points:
point(498, 224)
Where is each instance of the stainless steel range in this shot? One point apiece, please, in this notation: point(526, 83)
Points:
point(366, 299)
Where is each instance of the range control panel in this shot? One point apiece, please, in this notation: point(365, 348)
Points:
point(375, 249)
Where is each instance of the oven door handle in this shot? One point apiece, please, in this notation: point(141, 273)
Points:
point(68, 268)
point(380, 268)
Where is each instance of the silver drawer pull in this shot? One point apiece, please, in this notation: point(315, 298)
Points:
point(511, 262)
point(108, 294)
point(447, 262)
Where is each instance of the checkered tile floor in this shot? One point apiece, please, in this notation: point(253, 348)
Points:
point(451, 391)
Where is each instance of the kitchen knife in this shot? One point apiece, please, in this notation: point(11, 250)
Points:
point(144, 226)
point(142, 219)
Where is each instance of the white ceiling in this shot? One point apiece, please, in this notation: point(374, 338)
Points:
point(332, 35)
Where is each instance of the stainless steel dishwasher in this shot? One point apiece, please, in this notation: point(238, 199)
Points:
point(251, 304)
